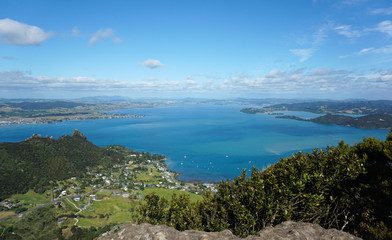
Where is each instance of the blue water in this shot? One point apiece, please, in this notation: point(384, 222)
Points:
point(206, 143)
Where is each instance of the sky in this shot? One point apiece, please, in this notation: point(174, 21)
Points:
point(219, 49)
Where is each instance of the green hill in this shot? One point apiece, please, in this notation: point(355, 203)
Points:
point(372, 121)
point(36, 161)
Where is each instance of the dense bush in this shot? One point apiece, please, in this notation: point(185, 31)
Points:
point(342, 187)
point(33, 163)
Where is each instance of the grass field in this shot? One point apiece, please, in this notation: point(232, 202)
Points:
point(103, 193)
point(154, 178)
point(32, 197)
point(70, 206)
point(4, 214)
point(116, 209)
point(167, 193)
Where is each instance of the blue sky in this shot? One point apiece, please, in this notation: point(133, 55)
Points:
point(210, 49)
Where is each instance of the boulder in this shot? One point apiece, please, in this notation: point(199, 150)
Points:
point(284, 231)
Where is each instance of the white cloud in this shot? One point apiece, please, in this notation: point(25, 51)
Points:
point(303, 54)
point(16, 33)
point(386, 11)
point(275, 74)
point(102, 34)
point(366, 50)
point(385, 27)
point(347, 31)
point(386, 78)
point(151, 63)
point(382, 50)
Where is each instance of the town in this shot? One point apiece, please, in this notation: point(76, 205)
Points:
point(105, 195)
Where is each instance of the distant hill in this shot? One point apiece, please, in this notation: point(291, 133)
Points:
point(38, 160)
point(372, 121)
point(338, 107)
point(378, 114)
point(43, 105)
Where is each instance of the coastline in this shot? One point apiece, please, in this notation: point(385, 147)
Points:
point(55, 119)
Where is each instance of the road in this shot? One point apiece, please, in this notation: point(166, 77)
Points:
point(46, 204)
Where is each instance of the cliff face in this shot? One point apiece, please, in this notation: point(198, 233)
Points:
point(283, 231)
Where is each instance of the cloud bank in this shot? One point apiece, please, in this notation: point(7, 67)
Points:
point(321, 82)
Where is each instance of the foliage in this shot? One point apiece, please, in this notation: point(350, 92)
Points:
point(36, 161)
point(39, 224)
point(342, 187)
point(168, 193)
point(88, 233)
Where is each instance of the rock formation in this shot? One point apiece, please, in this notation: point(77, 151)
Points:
point(283, 231)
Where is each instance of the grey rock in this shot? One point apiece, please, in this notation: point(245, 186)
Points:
point(283, 231)
point(301, 230)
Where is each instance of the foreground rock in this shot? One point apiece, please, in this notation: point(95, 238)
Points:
point(283, 231)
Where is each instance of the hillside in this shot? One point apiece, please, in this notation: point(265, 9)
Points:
point(38, 160)
point(378, 114)
point(338, 107)
point(372, 121)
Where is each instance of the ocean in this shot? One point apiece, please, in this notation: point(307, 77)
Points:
point(206, 143)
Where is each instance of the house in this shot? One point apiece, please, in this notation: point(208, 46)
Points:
point(125, 195)
point(77, 198)
point(6, 205)
point(58, 204)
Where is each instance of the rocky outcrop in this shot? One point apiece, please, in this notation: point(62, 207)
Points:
point(283, 231)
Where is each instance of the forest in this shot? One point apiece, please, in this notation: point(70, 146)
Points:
point(37, 161)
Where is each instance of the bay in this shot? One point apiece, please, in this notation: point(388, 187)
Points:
point(206, 143)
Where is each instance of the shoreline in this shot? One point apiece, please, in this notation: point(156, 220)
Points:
point(56, 119)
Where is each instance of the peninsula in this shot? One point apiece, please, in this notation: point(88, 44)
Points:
point(28, 112)
point(358, 114)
